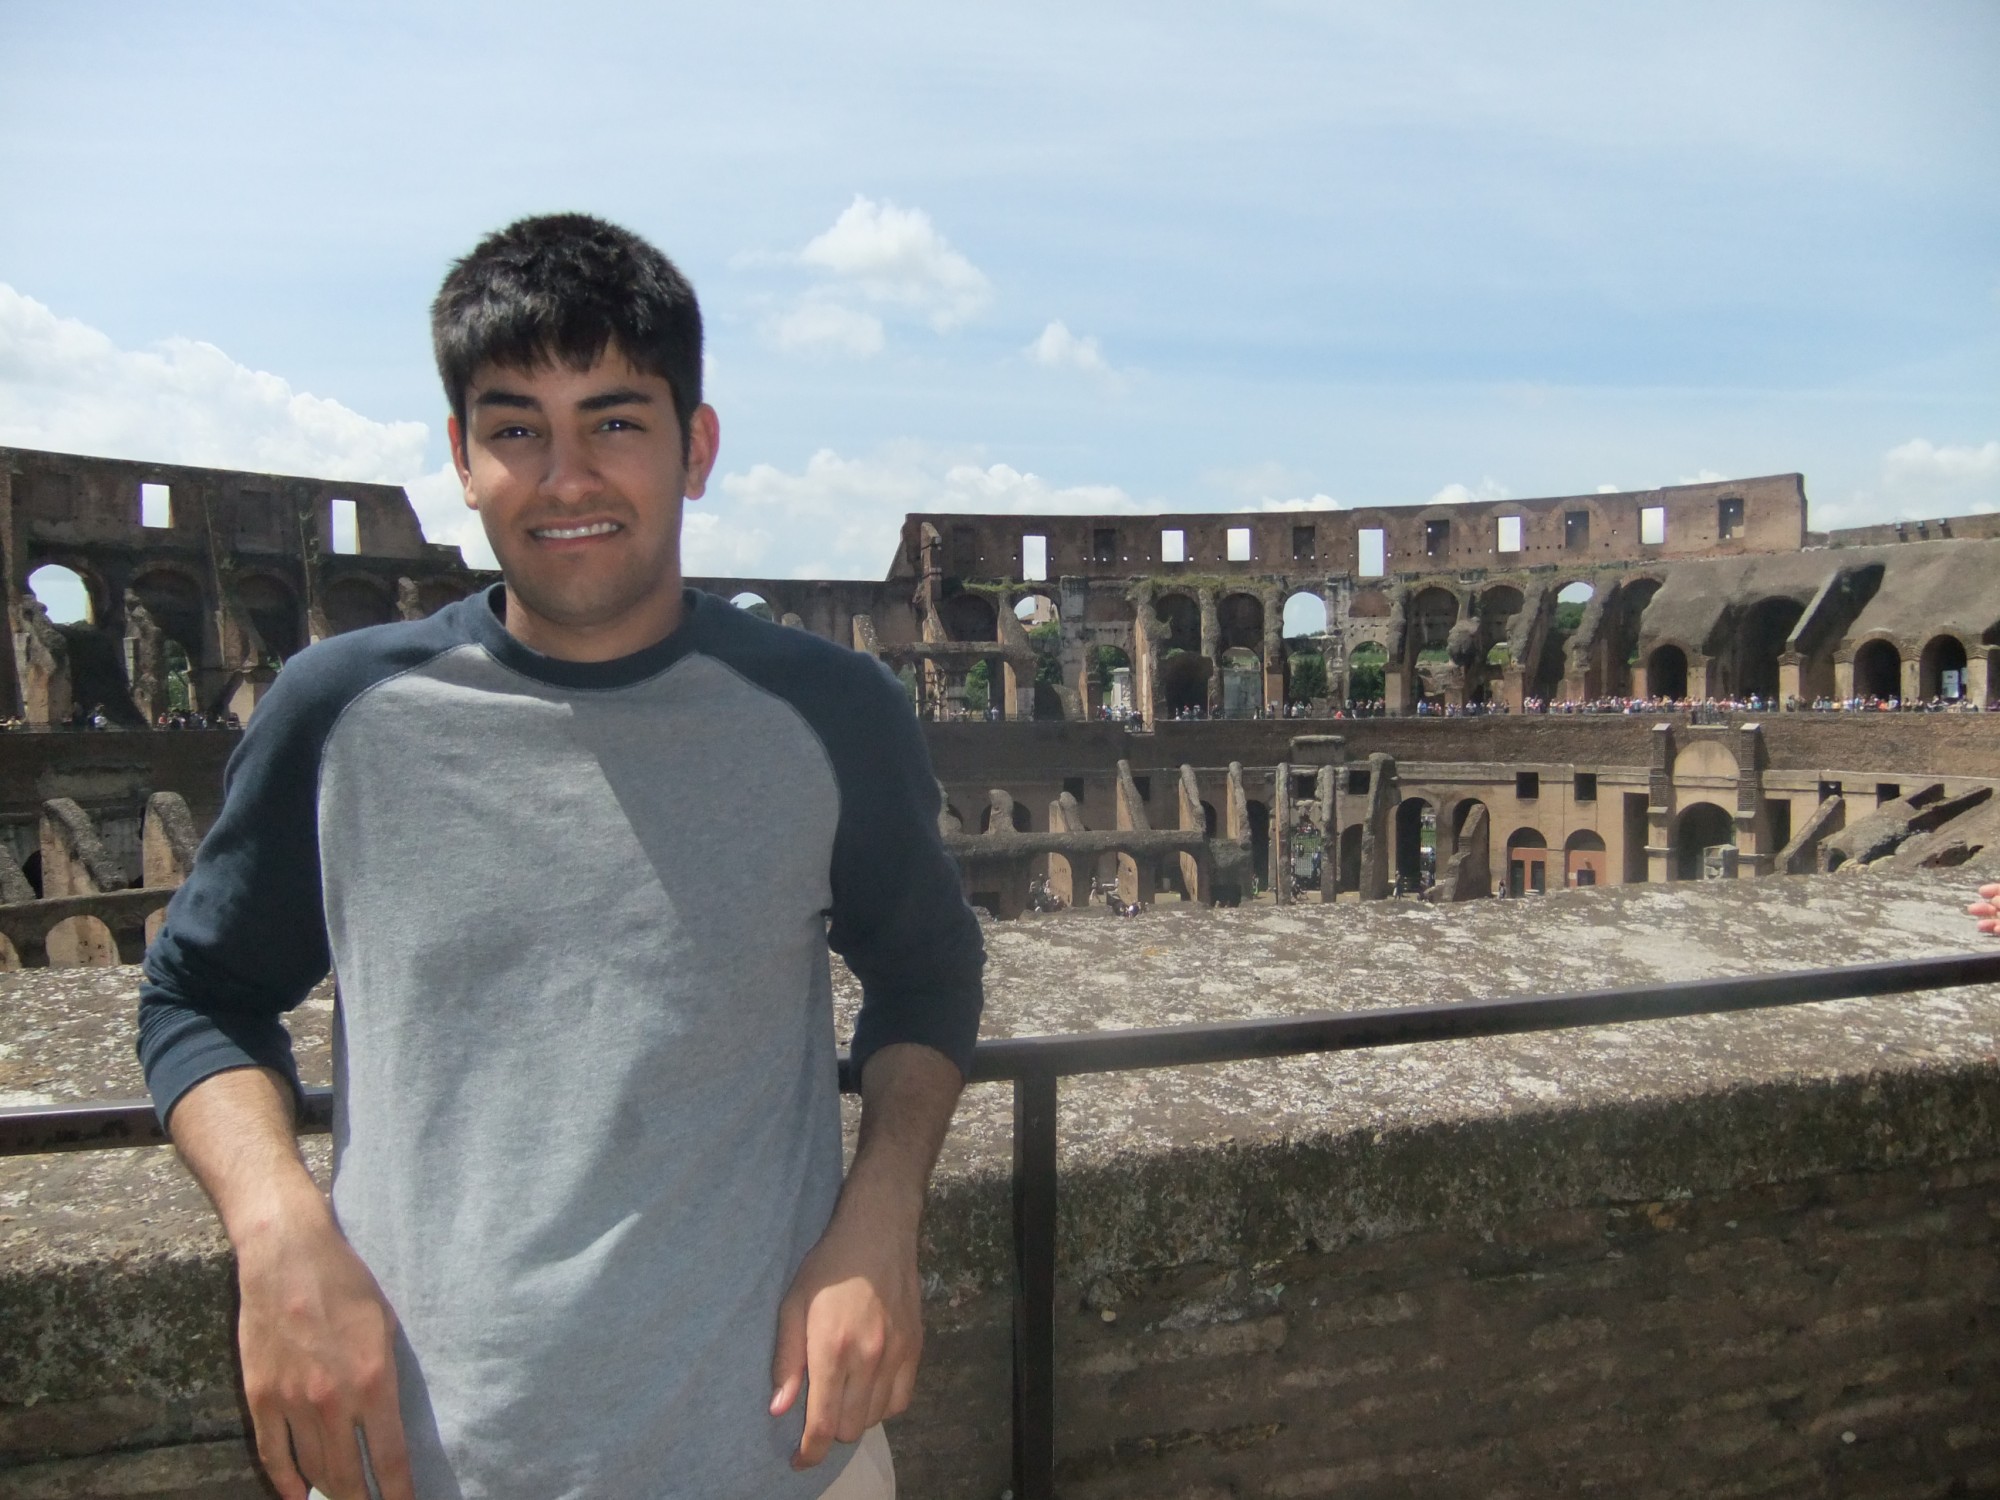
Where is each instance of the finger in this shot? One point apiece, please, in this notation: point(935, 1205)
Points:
point(331, 1456)
point(824, 1382)
point(788, 1358)
point(388, 1453)
point(274, 1451)
point(902, 1390)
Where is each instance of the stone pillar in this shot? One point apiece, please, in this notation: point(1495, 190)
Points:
point(1281, 834)
point(1843, 677)
point(1660, 806)
point(1791, 677)
point(1274, 648)
point(1700, 671)
point(1195, 864)
point(1514, 686)
point(1326, 808)
point(1064, 882)
point(1753, 824)
point(1639, 679)
point(1378, 832)
point(1211, 648)
point(1912, 679)
point(1979, 676)
point(1136, 878)
point(1468, 874)
point(167, 843)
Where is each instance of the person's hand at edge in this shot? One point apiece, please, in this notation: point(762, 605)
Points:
point(850, 1328)
point(316, 1335)
point(1987, 908)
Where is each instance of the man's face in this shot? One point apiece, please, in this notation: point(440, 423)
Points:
point(578, 478)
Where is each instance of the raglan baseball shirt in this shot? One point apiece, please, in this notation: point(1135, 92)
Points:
point(587, 1120)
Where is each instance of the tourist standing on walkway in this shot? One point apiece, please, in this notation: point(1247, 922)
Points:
point(576, 848)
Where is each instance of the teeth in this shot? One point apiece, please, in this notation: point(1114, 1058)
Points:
point(570, 533)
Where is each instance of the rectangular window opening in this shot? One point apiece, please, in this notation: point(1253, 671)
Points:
point(1357, 783)
point(1074, 786)
point(1728, 519)
point(1173, 546)
point(1586, 786)
point(1374, 555)
point(346, 527)
point(1304, 543)
point(156, 506)
point(1887, 791)
point(964, 547)
point(1509, 539)
point(1652, 525)
point(1527, 785)
point(1104, 544)
point(1035, 558)
point(1576, 529)
point(1780, 811)
point(1829, 789)
point(1437, 538)
point(1238, 544)
point(1144, 786)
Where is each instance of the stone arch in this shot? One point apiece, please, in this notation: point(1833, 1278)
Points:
point(174, 599)
point(354, 602)
point(274, 610)
point(1624, 617)
point(433, 594)
point(753, 603)
point(1667, 672)
point(1303, 614)
point(1941, 665)
point(1486, 654)
point(1585, 861)
point(968, 616)
point(81, 942)
point(1184, 680)
point(1527, 862)
point(1180, 616)
point(70, 590)
point(1240, 621)
point(1760, 640)
point(1698, 827)
point(1022, 819)
point(1878, 669)
point(1034, 607)
point(1433, 611)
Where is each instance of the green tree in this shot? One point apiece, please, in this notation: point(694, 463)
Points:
point(1308, 677)
point(1104, 660)
point(1046, 638)
point(978, 688)
point(1365, 677)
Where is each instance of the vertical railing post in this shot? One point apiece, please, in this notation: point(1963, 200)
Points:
point(1034, 1286)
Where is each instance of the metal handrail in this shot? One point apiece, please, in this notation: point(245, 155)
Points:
point(1035, 1064)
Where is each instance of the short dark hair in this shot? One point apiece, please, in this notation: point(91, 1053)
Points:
point(566, 287)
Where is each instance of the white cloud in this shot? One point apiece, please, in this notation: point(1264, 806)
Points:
point(1920, 480)
point(1702, 476)
point(1300, 502)
point(1922, 464)
point(1487, 491)
point(1607, 489)
point(68, 387)
point(819, 324)
point(1057, 348)
point(896, 257)
point(846, 513)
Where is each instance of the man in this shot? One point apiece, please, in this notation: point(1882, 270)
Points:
point(576, 848)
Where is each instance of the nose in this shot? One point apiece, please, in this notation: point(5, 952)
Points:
point(569, 477)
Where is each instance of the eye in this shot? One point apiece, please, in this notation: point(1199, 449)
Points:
point(511, 430)
point(620, 424)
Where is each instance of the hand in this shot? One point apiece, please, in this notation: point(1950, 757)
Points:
point(318, 1363)
point(850, 1329)
point(1987, 908)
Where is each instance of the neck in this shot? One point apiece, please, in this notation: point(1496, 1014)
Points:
point(647, 624)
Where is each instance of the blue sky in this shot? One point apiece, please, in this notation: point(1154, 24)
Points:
point(1043, 257)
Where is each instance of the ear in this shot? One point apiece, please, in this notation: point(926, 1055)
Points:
point(704, 442)
point(454, 432)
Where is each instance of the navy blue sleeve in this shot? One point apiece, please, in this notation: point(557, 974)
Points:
point(899, 916)
point(245, 938)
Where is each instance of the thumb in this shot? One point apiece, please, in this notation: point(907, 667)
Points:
point(788, 1360)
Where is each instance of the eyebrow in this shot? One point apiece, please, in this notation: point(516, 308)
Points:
point(603, 400)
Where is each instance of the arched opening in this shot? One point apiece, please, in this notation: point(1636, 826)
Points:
point(274, 612)
point(1584, 859)
point(1622, 619)
point(1306, 677)
point(81, 942)
point(1111, 678)
point(1042, 623)
point(1182, 618)
point(1260, 843)
point(1761, 641)
point(1240, 622)
point(969, 617)
point(1304, 616)
point(1350, 857)
point(1527, 862)
point(1183, 681)
point(1484, 654)
point(1878, 670)
point(63, 592)
point(1366, 665)
point(1667, 673)
point(1022, 820)
point(355, 603)
point(754, 604)
point(1572, 601)
point(1941, 668)
point(1416, 843)
point(1700, 827)
point(174, 602)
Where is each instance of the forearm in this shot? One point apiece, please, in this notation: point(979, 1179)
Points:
point(908, 1093)
point(235, 1132)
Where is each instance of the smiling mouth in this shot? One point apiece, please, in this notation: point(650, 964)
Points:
point(574, 533)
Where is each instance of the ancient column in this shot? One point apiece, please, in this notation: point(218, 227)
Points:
point(1211, 649)
point(1279, 842)
point(1195, 864)
point(1660, 805)
point(1378, 830)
